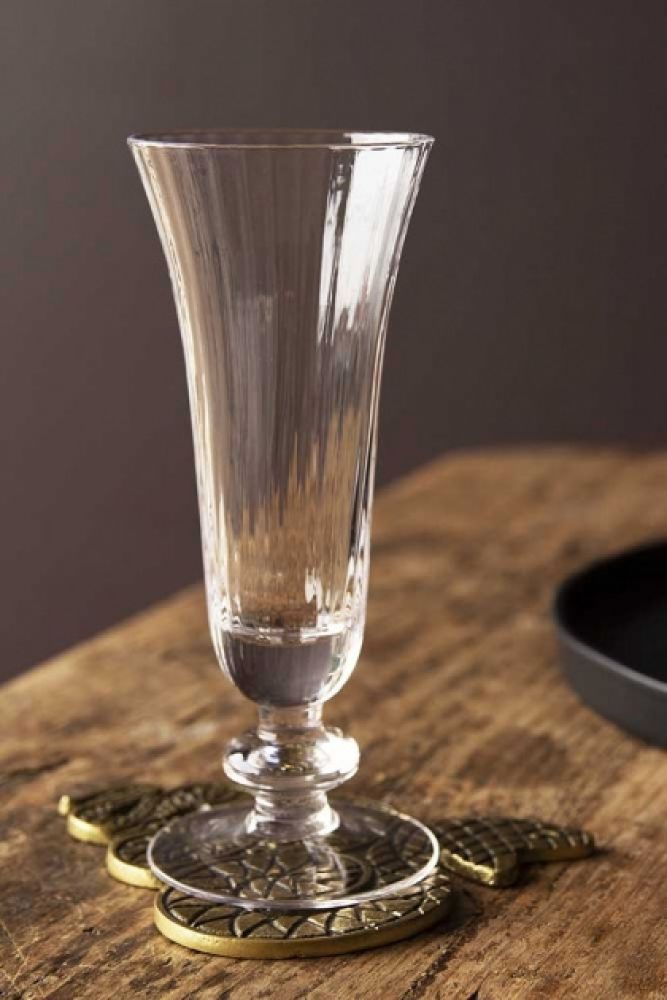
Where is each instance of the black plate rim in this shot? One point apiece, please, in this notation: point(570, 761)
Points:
point(571, 639)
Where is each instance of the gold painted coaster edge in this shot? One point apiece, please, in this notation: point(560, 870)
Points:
point(266, 948)
point(496, 878)
point(82, 830)
point(134, 875)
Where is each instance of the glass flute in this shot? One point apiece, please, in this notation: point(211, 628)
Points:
point(283, 249)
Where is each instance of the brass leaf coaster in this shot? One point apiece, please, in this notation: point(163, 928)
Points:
point(96, 817)
point(491, 849)
point(487, 849)
point(125, 817)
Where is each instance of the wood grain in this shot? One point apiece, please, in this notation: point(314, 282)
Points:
point(457, 703)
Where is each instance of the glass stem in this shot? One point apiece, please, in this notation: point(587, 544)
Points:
point(274, 721)
point(289, 763)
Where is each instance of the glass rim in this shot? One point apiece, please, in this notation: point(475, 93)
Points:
point(278, 138)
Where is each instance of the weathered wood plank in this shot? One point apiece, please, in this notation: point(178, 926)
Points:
point(457, 703)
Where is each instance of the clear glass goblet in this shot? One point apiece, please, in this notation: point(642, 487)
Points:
point(283, 249)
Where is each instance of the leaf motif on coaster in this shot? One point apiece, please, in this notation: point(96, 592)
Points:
point(126, 854)
point(125, 817)
point(97, 817)
point(491, 849)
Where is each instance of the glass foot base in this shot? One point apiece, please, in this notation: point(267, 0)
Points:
point(374, 852)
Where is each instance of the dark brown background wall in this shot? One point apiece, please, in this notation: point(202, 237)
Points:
point(531, 302)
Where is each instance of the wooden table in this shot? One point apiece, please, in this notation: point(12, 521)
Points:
point(469, 712)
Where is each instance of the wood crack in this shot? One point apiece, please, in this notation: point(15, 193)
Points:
point(420, 985)
point(24, 775)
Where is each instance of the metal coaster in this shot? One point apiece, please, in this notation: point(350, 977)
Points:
point(486, 849)
point(125, 817)
point(239, 933)
point(95, 818)
point(490, 849)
